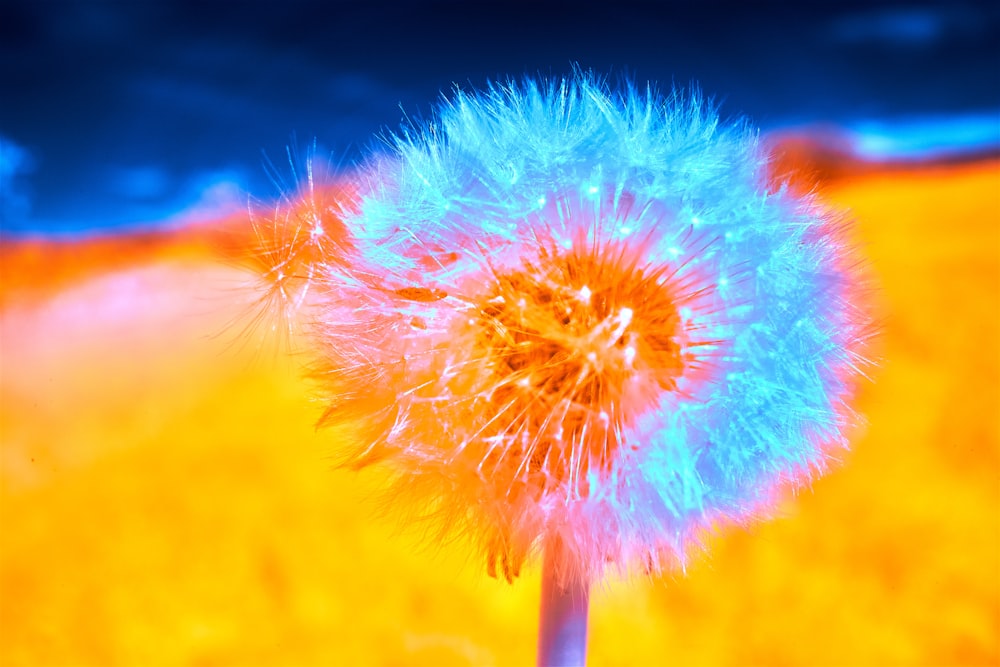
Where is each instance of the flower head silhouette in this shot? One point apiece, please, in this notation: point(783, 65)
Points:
point(585, 319)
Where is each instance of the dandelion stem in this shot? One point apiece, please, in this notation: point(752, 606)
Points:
point(562, 628)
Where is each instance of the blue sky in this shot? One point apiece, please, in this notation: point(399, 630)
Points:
point(121, 115)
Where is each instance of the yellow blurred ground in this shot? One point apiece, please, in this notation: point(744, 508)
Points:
point(165, 499)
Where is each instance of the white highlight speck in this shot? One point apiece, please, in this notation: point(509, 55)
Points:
point(585, 294)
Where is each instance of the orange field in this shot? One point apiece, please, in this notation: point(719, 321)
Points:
point(166, 500)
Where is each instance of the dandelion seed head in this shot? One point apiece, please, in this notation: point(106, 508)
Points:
point(543, 343)
point(293, 242)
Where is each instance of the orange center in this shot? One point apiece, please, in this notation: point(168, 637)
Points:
point(581, 342)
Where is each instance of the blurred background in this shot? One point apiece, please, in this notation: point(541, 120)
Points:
point(128, 113)
point(164, 496)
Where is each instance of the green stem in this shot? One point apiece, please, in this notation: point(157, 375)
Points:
point(562, 628)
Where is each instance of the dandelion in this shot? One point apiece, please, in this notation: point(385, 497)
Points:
point(583, 324)
point(291, 244)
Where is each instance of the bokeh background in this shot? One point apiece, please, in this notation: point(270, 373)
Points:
point(164, 497)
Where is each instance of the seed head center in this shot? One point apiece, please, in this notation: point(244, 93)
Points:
point(582, 342)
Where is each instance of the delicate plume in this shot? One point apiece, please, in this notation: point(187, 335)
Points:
point(584, 318)
point(293, 244)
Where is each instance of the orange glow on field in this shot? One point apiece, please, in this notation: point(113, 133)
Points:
point(165, 498)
